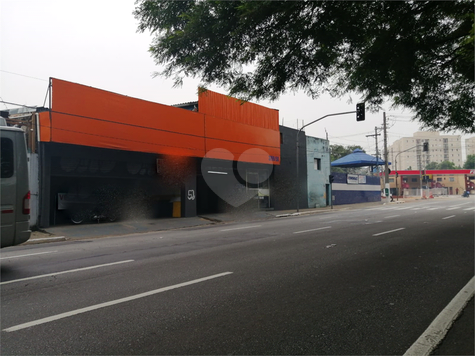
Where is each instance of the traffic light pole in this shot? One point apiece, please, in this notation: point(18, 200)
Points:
point(395, 161)
point(297, 150)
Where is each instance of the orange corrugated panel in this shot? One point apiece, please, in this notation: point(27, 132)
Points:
point(45, 126)
point(92, 117)
point(223, 106)
point(239, 138)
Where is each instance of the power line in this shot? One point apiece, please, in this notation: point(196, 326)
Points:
point(22, 75)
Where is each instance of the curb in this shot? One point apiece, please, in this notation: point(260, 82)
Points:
point(45, 239)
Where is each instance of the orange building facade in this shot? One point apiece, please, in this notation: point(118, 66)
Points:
point(127, 155)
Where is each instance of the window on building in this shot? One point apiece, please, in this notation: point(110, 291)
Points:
point(317, 164)
point(439, 179)
point(451, 179)
point(413, 179)
point(281, 138)
point(391, 180)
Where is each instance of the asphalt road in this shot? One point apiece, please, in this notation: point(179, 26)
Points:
point(363, 281)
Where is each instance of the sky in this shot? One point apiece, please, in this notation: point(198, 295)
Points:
point(96, 43)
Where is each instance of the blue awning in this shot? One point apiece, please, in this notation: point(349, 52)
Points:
point(358, 159)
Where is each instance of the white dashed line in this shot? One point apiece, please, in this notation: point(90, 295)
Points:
point(449, 217)
point(63, 272)
point(320, 228)
point(31, 254)
point(388, 232)
point(112, 302)
point(240, 228)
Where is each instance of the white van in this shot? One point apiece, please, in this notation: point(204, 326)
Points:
point(14, 190)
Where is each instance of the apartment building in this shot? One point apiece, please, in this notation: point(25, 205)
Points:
point(407, 152)
point(470, 146)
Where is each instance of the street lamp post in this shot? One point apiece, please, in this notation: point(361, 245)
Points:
point(297, 154)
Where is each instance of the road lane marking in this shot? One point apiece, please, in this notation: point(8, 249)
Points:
point(240, 228)
point(392, 216)
point(110, 303)
point(388, 232)
point(453, 208)
point(473, 208)
point(31, 254)
point(416, 209)
point(433, 209)
point(404, 208)
point(320, 228)
point(449, 217)
point(63, 272)
point(436, 331)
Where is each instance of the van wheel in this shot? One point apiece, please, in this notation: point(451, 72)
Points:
point(77, 217)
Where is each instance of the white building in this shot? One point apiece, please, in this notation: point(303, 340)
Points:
point(470, 146)
point(408, 151)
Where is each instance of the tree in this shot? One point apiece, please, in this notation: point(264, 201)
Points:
point(432, 165)
point(418, 54)
point(470, 162)
point(339, 151)
point(447, 165)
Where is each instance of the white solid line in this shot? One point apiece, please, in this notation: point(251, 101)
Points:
point(388, 232)
point(449, 217)
point(470, 208)
point(63, 272)
point(110, 303)
point(392, 216)
point(320, 228)
point(31, 254)
point(436, 331)
point(240, 228)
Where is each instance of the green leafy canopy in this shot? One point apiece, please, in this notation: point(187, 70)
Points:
point(417, 54)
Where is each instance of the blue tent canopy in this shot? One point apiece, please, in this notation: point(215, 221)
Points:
point(358, 159)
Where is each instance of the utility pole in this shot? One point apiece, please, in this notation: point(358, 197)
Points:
point(376, 134)
point(386, 168)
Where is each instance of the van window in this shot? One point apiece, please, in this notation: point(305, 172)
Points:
point(6, 158)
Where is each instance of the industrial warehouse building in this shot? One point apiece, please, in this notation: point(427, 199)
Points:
point(97, 150)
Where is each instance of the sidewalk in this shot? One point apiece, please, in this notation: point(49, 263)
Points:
point(124, 227)
point(101, 229)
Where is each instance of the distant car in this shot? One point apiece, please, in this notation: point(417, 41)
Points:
point(14, 191)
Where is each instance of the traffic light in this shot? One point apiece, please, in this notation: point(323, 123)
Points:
point(360, 112)
point(330, 177)
point(425, 148)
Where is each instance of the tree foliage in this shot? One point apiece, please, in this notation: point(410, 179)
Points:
point(339, 151)
point(447, 165)
point(418, 54)
point(432, 165)
point(470, 162)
